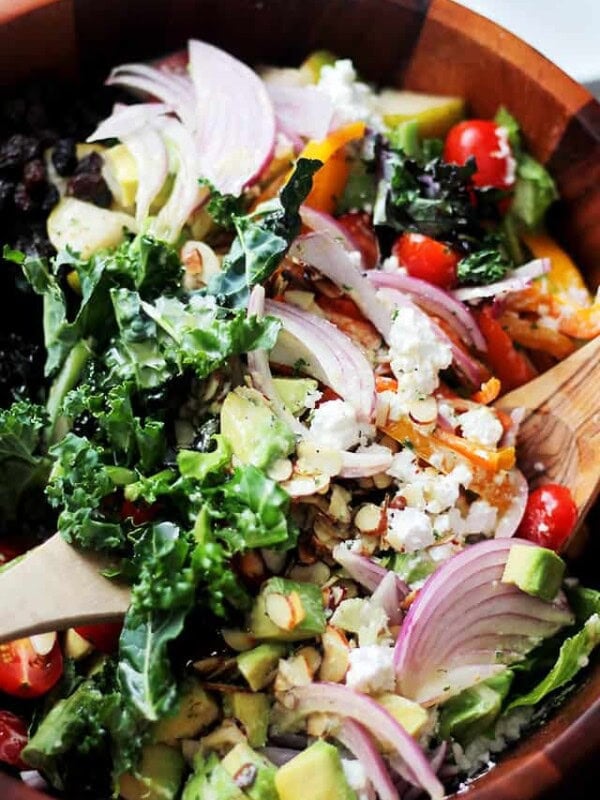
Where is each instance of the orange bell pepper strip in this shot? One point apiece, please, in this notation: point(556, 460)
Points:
point(511, 367)
point(330, 180)
point(583, 323)
point(536, 336)
point(564, 274)
point(488, 392)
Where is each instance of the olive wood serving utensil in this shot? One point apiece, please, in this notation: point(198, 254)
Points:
point(57, 586)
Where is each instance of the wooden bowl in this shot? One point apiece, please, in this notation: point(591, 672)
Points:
point(432, 46)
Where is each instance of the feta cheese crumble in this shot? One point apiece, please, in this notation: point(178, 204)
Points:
point(409, 529)
point(334, 425)
point(357, 778)
point(372, 669)
point(481, 425)
point(352, 100)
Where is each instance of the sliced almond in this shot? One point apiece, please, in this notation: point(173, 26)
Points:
point(315, 460)
point(424, 411)
point(285, 610)
point(43, 643)
point(304, 485)
point(339, 505)
point(382, 480)
point(336, 655)
point(312, 657)
point(321, 725)
point(280, 470)
point(368, 518)
point(293, 671)
point(238, 640)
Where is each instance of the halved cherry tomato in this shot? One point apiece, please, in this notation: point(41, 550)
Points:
point(426, 258)
point(8, 551)
point(104, 637)
point(359, 226)
point(550, 516)
point(487, 142)
point(13, 738)
point(26, 673)
point(508, 364)
point(138, 513)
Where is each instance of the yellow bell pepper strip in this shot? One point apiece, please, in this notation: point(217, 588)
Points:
point(536, 336)
point(330, 180)
point(582, 323)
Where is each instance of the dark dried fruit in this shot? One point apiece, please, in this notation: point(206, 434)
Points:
point(20, 369)
point(22, 199)
point(90, 187)
point(91, 163)
point(64, 157)
point(34, 173)
point(18, 149)
point(50, 198)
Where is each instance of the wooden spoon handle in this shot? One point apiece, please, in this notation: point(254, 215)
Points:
point(56, 586)
point(559, 439)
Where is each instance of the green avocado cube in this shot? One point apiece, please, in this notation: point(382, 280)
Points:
point(252, 711)
point(158, 776)
point(252, 773)
point(315, 773)
point(287, 611)
point(535, 570)
point(259, 665)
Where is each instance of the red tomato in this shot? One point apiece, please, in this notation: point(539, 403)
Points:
point(104, 637)
point(488, 144)
point(139, 513)
point(426, 258)
point(550, 516)
point(8, 552)
point(25, 673)
point(507, 363)
point(13, 738)
point(359, 226)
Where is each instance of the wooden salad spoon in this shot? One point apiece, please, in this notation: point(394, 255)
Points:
point(56, 586)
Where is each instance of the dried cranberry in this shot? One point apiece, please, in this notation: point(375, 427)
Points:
point(23, 200)
point(64, 156)
point(34, 173)
point(91, 163)
point(18, 149)
point(90, 187)
point(50, 198)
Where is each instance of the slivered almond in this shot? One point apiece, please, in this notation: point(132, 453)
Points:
point(314, 460)
point(293, 671)
point(285, 610)
point(336, 655)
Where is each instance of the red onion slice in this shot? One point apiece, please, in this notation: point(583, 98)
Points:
point(360, 568)
point(320, 222)
point(435, 301)
point(335, 262)
point(389, 595)
point(327, 354)
point(152, 161)
point(349, 704)
point(356, 739)
point(515, 281)
point(236, 121)
point(439, 651)
point(366, 463)
point(126, 120)
point(301, 110)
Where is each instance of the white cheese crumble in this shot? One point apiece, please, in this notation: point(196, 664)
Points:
point(481, 425)
point(504, 151)
point(357, 779)
point(352, 100)
point(409, 529)
point(481, 518)
point(416, 357)
point(371, 669)
point(334, 425)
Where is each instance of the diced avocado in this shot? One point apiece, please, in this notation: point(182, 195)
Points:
point(314, 63)
point(412, 716)
point(315, 773)
point(253, 774)
point(294, 392)
point(535, 570)
point(86, 228)
point(211, 781)
point(473, 712)
point(413, 567)
point(120, 173)
point(158, 777)
point(75, 646)
point(436, 114)
point(252, 710)
point(259, 665)
point(196, 710)
point(256, 436)
point(288, 611)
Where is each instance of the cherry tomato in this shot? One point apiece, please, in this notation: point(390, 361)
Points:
point(104, 637)
point(426, 258)
point(488, 144)
point(8, 552)
point(507, 363)
point(359, 226)
point(550, 516)
point(26, 673)
point(138, 513)
point(13, 738)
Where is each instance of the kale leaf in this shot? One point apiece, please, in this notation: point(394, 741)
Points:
point(262, 238)
point(483, 266)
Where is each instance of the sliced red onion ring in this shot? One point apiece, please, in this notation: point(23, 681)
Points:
point(463, 606)
point(511, 518)
point(327, 354)
point(320, 222)
point(471, 369)
point(301, 110)
point(366, 463)
point(389, 595)
point(360, 568)
point(349, 704)
point(435, 301)
point(332, 259)
point(149, 151)
point(514, 281)
point(357, 740)
point(236, 121)
point(126, 120)
point(186, 194)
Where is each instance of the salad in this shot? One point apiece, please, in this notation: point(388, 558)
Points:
point(276, 319)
